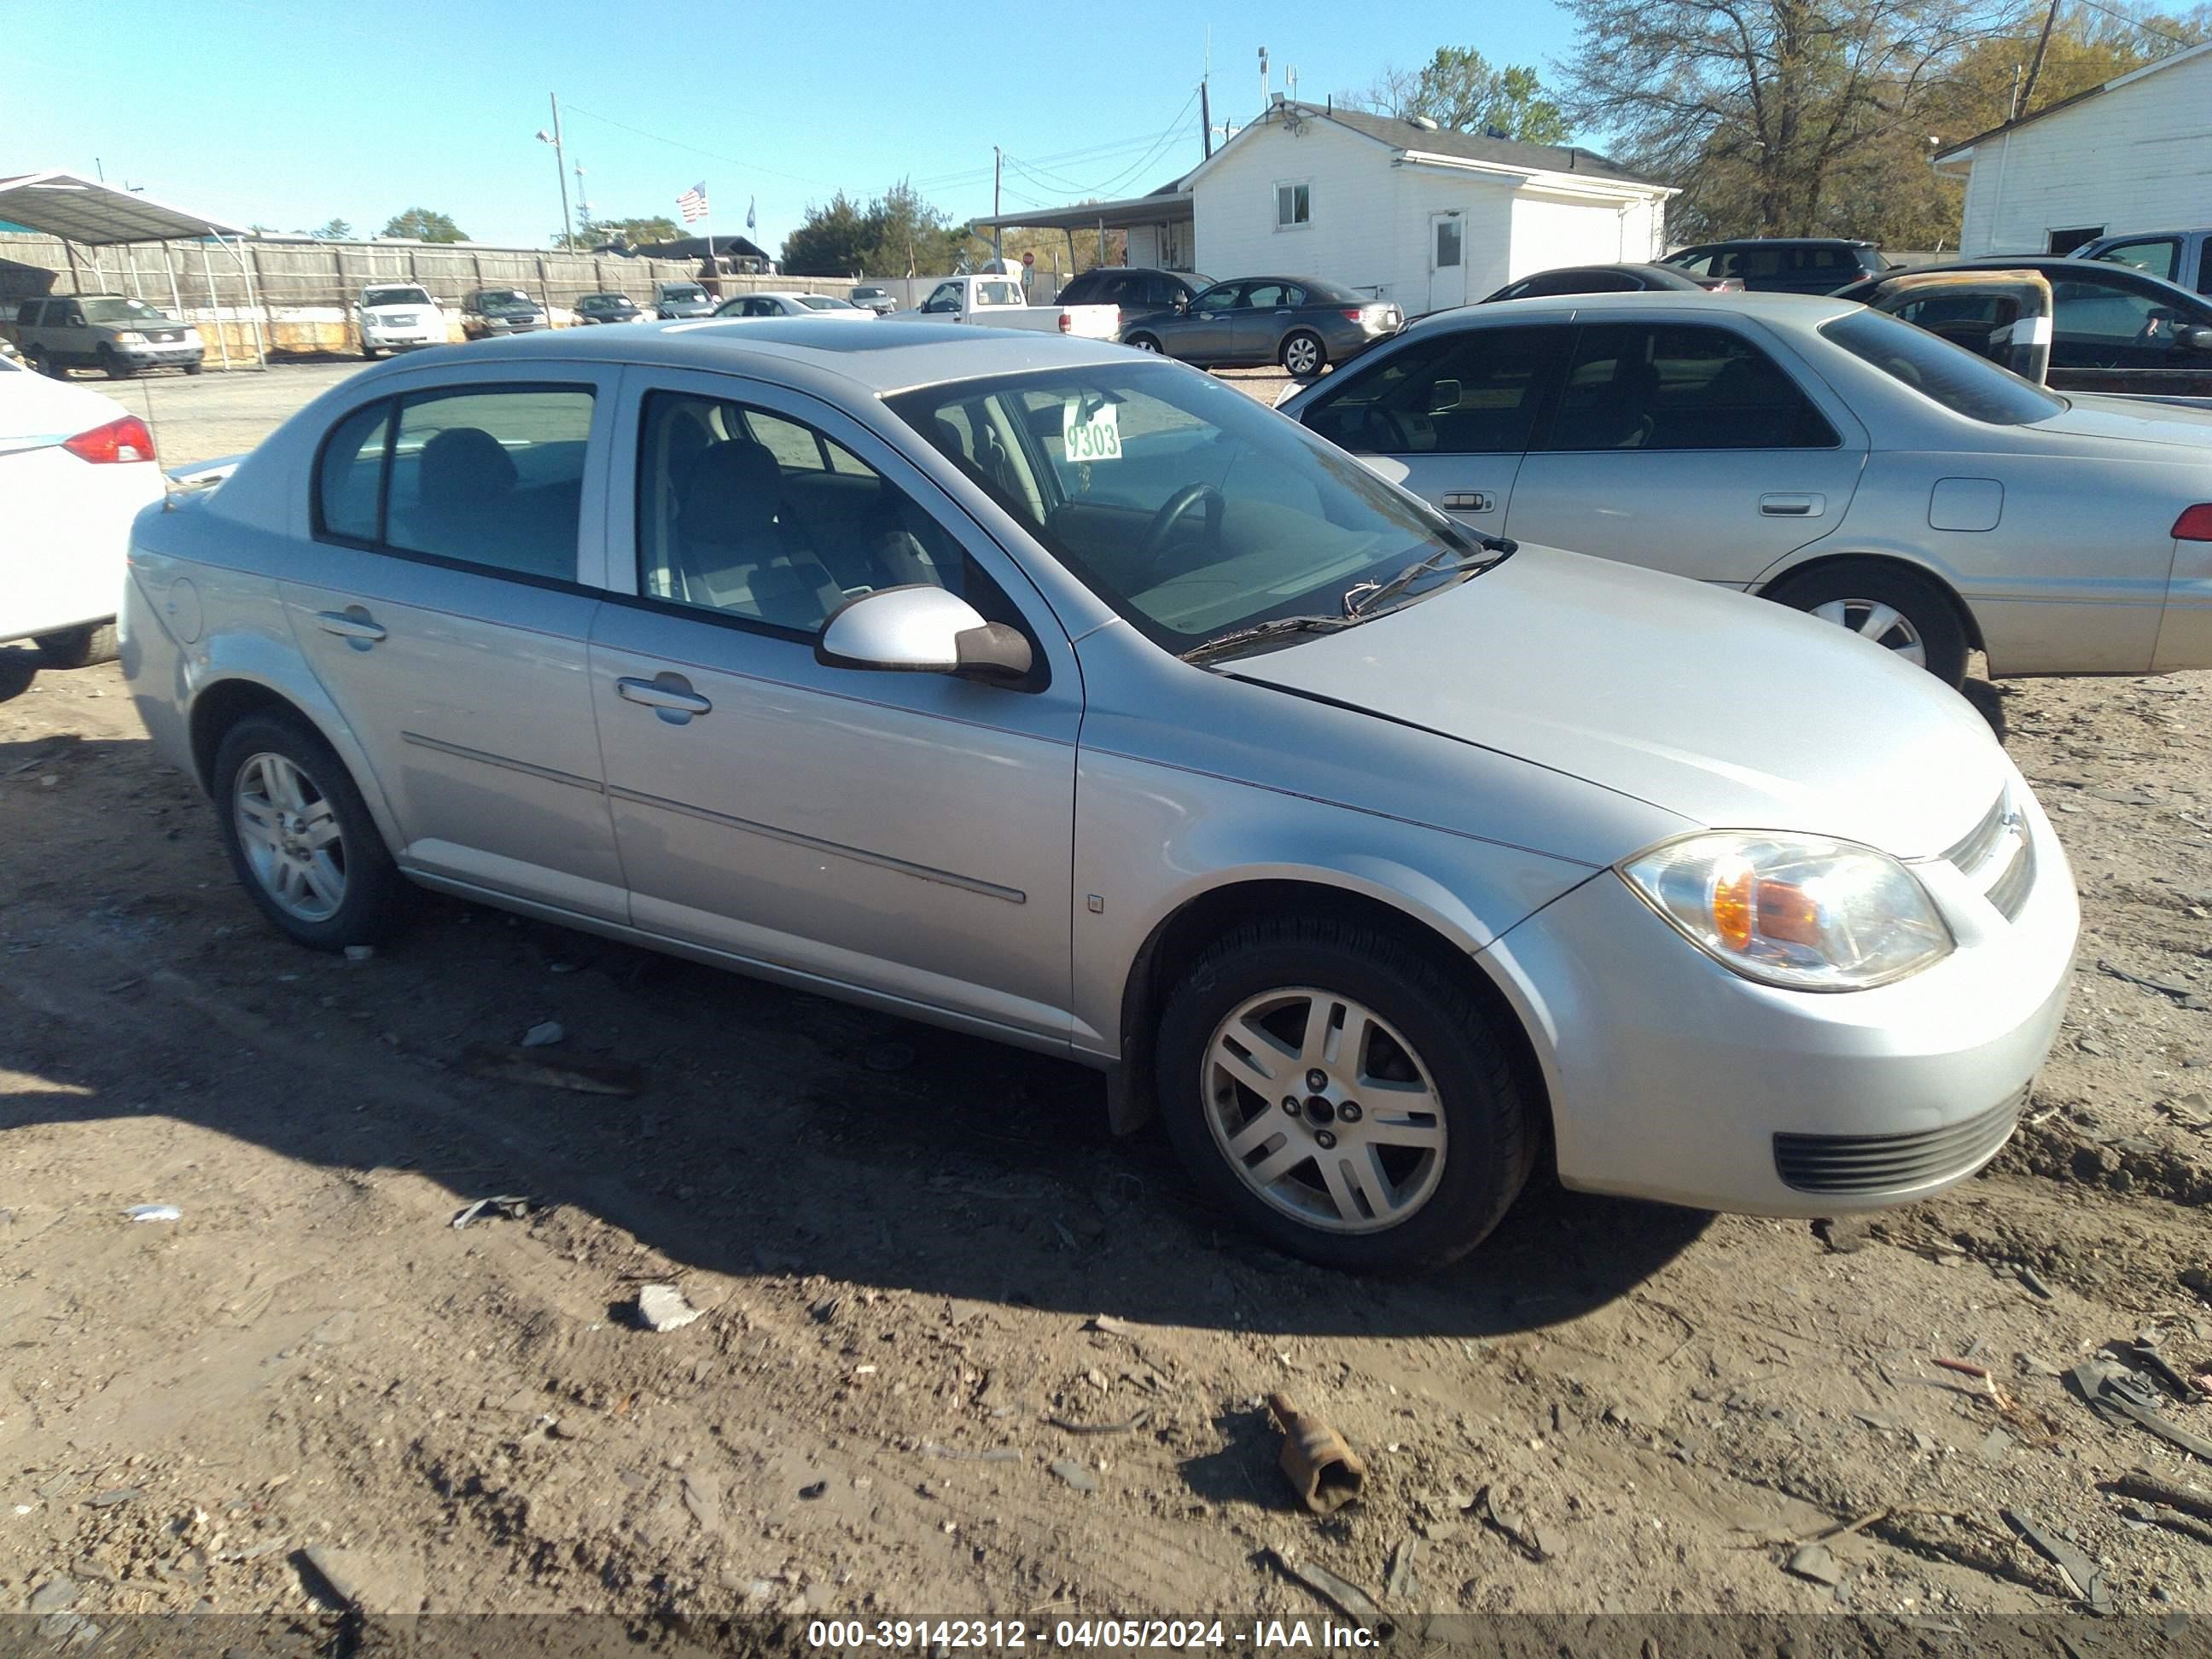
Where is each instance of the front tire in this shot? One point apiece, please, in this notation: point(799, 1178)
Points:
point(78, 647)
point(1909, 613)
point(113, 365)
point(1303, 355)
point(194, 368)
point(1346, 1099)
point(299, 835)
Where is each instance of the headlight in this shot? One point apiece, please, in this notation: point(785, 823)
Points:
point(129, 337)
point(1794, 911)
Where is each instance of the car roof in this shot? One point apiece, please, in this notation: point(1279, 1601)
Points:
point(1792, 311)
point(2046, 263)
point(1785, 241)
point(893, 357)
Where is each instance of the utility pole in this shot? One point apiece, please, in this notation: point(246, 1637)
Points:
point(1205, 120)
point(1264, 83)
point(998, 233)
point(583, 206)
point(2035, 64)
point(560, 167)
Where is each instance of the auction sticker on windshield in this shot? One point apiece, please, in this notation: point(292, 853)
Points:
point(1098, 439)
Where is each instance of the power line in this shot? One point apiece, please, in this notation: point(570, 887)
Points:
point(1158, 146)
point(711, 154)
point(2138, 23)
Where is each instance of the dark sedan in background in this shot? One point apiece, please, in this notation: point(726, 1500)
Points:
point(1301, 322)
point(1611, 279)
point(607, 308)
point(2113, 329)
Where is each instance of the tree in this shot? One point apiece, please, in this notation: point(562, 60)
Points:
point(896, 234)
point(623, 232)
point(1459, 90)
point(332, 230)
point(424, 226)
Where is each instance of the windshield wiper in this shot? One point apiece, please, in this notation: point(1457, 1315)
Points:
point(1222, 644)
point(1361, 601)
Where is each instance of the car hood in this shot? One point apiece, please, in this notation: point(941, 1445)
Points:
point(2134, 418)
point(1725, 709)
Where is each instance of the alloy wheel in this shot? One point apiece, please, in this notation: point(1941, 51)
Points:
point(1885, 624)
point(288, 829)
point(1324, 1110)
point(1302, 356)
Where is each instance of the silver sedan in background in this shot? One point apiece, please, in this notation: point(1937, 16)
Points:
point(1823, 455)
point(1031, 687)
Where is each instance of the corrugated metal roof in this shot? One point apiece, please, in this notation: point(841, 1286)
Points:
point(86, 211)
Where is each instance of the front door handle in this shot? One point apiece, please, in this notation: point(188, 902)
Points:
point(1792, 507)
point(670, 694)
point(1469, 500)
point(351, 623)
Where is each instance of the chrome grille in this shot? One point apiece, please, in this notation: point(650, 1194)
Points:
point(1871, 1164)
point(1997, 858)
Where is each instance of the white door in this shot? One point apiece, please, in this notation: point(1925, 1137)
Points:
point(1447, 261)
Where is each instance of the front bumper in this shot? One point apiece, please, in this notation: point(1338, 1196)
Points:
point(1672, 1078)
point(162, 355)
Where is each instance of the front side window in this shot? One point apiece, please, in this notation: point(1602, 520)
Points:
point(1293, 206)
point(1223, 298)
point(493, 479)
point(2156, 256)
point(1475, 392)
point(1181, 502)
point(1696, 261)
point(1664, 385)
point(944, 297)
point(2108, 326)
point(763, 519)
point(1961, 381)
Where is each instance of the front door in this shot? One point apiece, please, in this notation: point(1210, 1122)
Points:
point(1451, 414)
point(1447, 261)
point(907, 835)
point(2126, 333)
point(1688, 448)
point(441, 607)
point(1206, 332)
point(1262, 321)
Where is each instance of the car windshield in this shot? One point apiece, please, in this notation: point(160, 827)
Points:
point(510, 298)
point(605, 301)
point(823, 302)
point(114, 310)
point(1946, 373)
point(395, 297)
point(869, 293)
point(683, 291)
point(1188, 507)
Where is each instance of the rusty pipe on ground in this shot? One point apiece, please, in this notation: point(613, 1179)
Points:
point(1325, 1471)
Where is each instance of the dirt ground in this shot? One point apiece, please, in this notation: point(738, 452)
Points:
point(962, 1352)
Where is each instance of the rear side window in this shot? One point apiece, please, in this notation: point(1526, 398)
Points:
point(1946, 373)
point(1659, 385)
point(30, 312)
point(487, 478)
point(2155, 256)
point(1475, 392)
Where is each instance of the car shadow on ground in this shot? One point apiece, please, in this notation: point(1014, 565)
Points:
point(19, 666)
point(775, 1132)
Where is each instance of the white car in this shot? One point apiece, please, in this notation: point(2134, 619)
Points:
point(75, 468)
point(397, 317)
point(794, 304)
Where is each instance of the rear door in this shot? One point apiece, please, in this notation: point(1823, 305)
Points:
point(1451, 414)
point(907, 835)
point(443, 603)
point(1689, 447)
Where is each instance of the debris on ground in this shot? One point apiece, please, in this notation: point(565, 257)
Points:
point(545, 1034)
point(1346, 1597)
point(2029, 1277)
point(571, 1071)
point(512, 1205)
point(1075, 1474)
point(1399, 1587)
point(1845, 1234)
point(2084, 1575)
point(1814, 1562)
point(1324, 1471)
point(1127, 1426)
point(1509, 1525)
point(2115, 1392)
point(155, 1213)
point(662, 1308)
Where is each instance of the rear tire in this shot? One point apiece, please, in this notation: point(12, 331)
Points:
point(1142, 342)
point(305, 850)
point(1911, 614)
point(1303, 355)
point(1422, 1113)
point(78, 647)
point(44, 364)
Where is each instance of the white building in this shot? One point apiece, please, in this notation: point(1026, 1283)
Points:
point(1400, 209)
point(2132, 154)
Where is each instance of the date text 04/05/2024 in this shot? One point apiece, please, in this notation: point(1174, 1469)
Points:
point(1003, 1634)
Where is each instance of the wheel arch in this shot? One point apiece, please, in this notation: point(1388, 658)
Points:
point(221, 703)
point(1783, 575)
point(1450, 937)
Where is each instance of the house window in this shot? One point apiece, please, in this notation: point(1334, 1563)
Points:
point(1291, 206)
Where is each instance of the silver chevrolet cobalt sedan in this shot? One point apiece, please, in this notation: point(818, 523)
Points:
point(1043, 690)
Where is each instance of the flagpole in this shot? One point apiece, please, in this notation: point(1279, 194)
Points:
point(706, 215)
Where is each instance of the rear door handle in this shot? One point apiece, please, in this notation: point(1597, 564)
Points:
point(1469, 500)
point(669, 694)
point(351, 623)
point(1792, 507)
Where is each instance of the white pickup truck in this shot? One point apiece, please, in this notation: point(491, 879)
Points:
point(998, 303)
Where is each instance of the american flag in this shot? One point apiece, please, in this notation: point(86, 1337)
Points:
point(692, 203)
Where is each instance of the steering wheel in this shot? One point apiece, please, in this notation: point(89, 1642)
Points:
point(1153, 550)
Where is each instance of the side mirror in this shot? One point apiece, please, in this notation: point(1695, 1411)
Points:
point(2196, 336)
point(1443, 397)
point(1182, 302)
point(921, 629)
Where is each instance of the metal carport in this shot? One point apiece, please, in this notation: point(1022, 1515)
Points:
point(84, 213)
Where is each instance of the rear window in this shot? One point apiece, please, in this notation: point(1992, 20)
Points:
point(1945, 374)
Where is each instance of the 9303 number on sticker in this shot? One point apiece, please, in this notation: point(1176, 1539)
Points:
point(1098, 439)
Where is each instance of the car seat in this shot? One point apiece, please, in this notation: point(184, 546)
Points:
point(732, 550)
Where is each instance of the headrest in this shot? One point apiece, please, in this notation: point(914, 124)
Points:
point(463, 465)
point(729, 491)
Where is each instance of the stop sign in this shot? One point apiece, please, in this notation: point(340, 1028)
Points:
point(1028, 260)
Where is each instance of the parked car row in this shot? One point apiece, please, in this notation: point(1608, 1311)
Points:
point(1403, 851)
point(119, 335)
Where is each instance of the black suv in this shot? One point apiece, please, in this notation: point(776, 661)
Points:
point(1783, 265)
point(1137, 291)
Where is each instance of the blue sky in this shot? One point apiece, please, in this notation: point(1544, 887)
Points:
point(285, 114)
